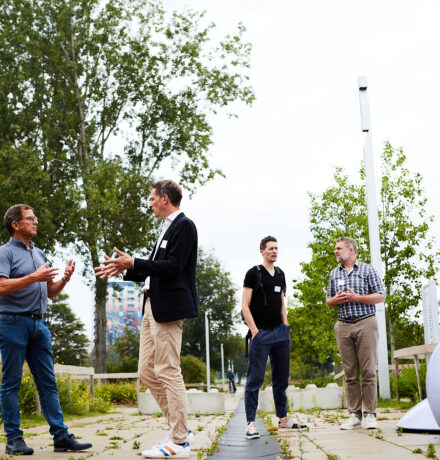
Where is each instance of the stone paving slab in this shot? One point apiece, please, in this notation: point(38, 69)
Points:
point(127, 428)
point(325, 439)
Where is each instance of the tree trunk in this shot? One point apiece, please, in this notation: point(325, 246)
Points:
point(100, 326)
point(392, 342)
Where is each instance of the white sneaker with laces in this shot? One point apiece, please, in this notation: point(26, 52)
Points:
point(168, 449)
point(189, 439)
point(370, 422)
point(352, 423)
point(251, 431)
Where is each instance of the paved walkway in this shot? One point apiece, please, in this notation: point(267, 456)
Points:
point(125, 433)
point(325, 440)
point(233, 444)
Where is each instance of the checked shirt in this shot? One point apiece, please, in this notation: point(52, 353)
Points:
point(363, 279)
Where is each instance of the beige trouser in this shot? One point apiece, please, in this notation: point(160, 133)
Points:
point(159, 370)
point(357, 344)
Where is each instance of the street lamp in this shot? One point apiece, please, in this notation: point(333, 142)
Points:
point(373, 229)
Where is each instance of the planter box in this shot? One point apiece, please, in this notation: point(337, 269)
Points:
point(330, 397)
point(198, 402)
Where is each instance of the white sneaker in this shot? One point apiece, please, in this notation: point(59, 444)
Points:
point(168, 449)
point(352, 423)
point(251, 431)
point(189, 439)
point(370, 422)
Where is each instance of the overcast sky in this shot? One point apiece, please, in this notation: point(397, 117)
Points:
point(306, 60)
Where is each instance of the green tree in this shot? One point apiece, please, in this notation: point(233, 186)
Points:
point(217, 297)
point(69, 341)
point(407, 247)
point(407, 253)
point(124, 354)
point(94, 97)
point(338, 211)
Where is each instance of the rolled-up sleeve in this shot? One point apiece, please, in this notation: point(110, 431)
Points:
point(330, 289)
point(5, 263)
point(375, 283)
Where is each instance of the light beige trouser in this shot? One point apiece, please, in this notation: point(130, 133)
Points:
point(357, 344)
point(159, 370)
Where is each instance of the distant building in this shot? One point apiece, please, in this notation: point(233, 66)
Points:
point(123, 309)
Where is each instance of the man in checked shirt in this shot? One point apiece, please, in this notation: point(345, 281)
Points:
point(355, 288)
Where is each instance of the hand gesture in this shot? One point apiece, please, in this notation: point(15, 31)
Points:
point(344, 297)
point(68, 271)
point(112, 267)
point(45, 274)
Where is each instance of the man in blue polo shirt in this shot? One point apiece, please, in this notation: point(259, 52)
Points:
point(25, 284)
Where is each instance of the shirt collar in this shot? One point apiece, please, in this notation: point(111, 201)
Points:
point(16, 242)
point(173, 215)
point(356, 265)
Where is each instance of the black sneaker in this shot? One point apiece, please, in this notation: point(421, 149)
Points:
point(70, 444)
point(18, 446)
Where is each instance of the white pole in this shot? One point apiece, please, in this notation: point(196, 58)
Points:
point(373, 228)
point(223, 366)
point(208, 367)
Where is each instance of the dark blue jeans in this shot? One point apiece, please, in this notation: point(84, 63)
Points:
point(22, 337)
point(273, 343)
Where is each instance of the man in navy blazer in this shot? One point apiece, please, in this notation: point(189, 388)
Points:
point(170, 296)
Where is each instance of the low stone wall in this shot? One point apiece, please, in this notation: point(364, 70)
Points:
point(330, 397)
point(198, 402)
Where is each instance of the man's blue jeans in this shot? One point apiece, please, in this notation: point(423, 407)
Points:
point(22, 337)
point(274, 343)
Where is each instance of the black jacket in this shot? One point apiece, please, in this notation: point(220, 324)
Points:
point(172, 274)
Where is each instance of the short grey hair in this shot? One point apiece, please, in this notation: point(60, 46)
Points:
point(349, 243)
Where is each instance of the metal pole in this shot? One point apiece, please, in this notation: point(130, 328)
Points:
point(208, 367)
point(223, 366)
point(373, 229)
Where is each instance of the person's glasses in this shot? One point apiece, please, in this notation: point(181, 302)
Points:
point(30, 218)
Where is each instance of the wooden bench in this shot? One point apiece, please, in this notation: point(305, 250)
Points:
point(414, 353)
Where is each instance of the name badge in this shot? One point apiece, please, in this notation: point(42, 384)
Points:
point(277, 289)
point(163, 244)
point(341, 282)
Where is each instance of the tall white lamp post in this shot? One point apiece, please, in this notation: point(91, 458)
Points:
point(223, 366)
point(373, 228)
point(208, 365)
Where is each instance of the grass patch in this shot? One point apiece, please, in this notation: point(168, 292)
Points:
point(395, 404)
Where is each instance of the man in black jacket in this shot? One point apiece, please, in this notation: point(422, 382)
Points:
point(170, 297)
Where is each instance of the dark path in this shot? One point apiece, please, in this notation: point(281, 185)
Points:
point(234, 445)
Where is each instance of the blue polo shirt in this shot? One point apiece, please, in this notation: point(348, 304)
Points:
point(17, 261)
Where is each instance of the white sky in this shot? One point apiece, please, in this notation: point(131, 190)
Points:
point(306, 60)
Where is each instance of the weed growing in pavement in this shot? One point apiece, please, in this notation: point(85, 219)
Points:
point(399, 431)
point(136, 435)
point(214, 445)
point(200, 428)
point(101, 433)
point(379, 434)
point(430, 453)
point(116, 438)
point(136, 444)
point(156, 414)
point(199, 455)
point(332, 457)
point(112, 445)
point(284, 445)
point(417, 451)
point(72, 457)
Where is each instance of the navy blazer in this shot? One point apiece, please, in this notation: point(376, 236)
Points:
point(173, 291)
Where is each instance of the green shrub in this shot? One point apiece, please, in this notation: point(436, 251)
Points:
point(320, 382)
point(117, 393)
point(74, 396)
point(27, 395)
point(101, 404)
point(193, 369)
point(408, 383)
